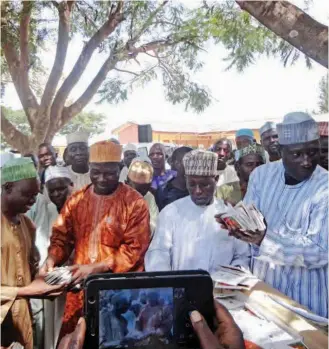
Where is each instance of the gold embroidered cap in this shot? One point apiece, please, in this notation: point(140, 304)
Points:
point(105, 151)
point(140, 171)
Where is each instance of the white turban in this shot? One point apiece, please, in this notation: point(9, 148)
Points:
point(53, 172)
point(130, 147)
point(77, 137)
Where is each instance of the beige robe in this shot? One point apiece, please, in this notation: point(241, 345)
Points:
point(154, 211)
point(19, 261)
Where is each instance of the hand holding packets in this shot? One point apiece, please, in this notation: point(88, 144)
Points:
point(58, 276)
point(244, 222)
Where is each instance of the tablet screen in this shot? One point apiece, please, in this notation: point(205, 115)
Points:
point(138, 317)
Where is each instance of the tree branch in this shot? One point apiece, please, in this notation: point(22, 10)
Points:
point(55, 3)
point(12, 136)
point(125, 71)
point(151, 46)
point(22, 87)
point(64, 12)
point(91, 90)
point(147, 23)
point(293, 25)
point(24, 35)
point(108, 27)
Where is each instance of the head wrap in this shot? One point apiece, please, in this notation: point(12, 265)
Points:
point(297, 127)
point(140, 171)
point(323, 128)
point(269, 125)
point(18, 169)
point(53, 172)
point(130, 147)
point(245, 132)
point(5, 157)
point(105, 151)
point(200, 163)
point(77, 137)
point(251, 149)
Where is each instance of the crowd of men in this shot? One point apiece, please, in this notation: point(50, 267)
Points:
point(97, 214)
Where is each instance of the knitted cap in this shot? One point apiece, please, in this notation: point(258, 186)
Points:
point(105, 151)
point(251, 149)
point(130, 147)
point(269, 125)
point(297, 127)
point(18, 169)
point(245, 132)
point(57, 172)
point(200, 163)
point(77, 137)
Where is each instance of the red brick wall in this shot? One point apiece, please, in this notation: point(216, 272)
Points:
point(129, 135)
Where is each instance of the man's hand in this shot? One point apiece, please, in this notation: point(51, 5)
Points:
point(251, 237)
point(38, 288)
point(75, 339)
point(47, 266)
point(82, 271)
point(227, 335)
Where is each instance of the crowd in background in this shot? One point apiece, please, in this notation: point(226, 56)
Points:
point(107, 209)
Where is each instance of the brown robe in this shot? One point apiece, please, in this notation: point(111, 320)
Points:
point(19, 261)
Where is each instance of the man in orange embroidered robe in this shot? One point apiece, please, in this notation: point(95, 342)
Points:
point(106, 223)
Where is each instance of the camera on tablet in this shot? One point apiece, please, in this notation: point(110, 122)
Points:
point(146, 310)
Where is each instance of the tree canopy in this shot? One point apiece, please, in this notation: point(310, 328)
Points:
point(140, 41)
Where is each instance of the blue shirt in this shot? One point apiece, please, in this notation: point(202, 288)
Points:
point(167, 194)
point(159, 181)
point(293, 257)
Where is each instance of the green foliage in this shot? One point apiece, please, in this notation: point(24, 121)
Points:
point(323, 95)
point(42, 30)
point(182, 31)
point(91, 122)
point(245, 39)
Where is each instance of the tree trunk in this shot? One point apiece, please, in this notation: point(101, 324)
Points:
point(293, 25)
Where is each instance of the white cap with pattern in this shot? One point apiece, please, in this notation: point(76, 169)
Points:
point(77, 137)
point(200, 163)
point(53, 172)
point(297, 127)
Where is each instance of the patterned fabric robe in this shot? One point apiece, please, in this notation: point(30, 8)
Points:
point(109, 228)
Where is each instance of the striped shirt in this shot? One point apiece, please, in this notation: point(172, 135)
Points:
point(293, 257)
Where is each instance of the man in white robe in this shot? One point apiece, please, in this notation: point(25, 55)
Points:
point(129, 154)
point(78, 153)
point(58, 182)
point(187, 235)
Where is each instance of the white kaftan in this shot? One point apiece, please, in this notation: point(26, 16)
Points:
point(154, 211)
point(187, 236)
point(228, 175)
point(80, 180)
